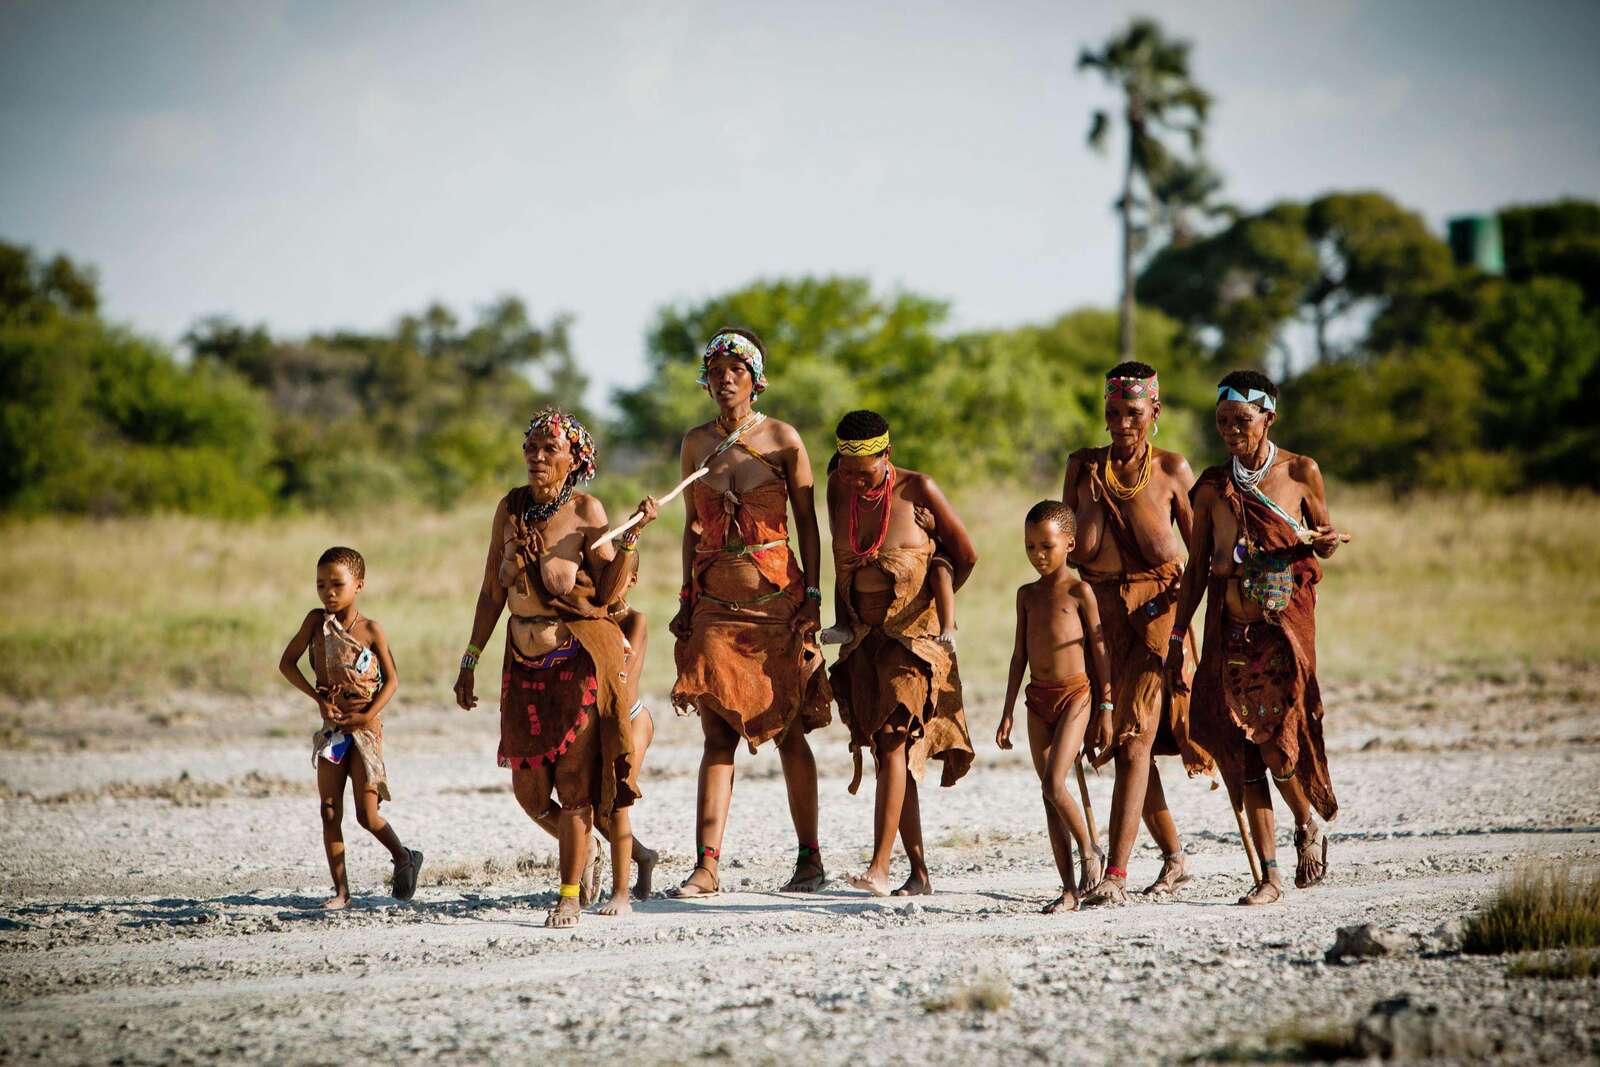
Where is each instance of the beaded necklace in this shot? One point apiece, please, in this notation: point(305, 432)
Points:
point(1128, 492)
point(872, 496)
point(1248, 478)
point(537, 512)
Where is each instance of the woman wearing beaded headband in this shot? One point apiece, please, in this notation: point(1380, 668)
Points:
point(1131, 500)
point(747, 657)
point(564, 725)
point(1260, 524)
point(896, 683)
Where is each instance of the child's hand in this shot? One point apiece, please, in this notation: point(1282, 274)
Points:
point(834, 635)
point(1002, 735)
point(948, 640)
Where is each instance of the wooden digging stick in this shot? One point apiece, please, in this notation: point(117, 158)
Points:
point(1088, 812)
point(616, 531)
point(1249, 845)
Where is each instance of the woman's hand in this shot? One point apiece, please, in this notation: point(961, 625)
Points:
point(808, 620)
point(682, 625)
point(648, 511)
point(1174, 669)
point(1325, 539)
point(465, 698)
point(834, 635)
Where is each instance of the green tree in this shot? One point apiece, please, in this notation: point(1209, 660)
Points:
point(1159, 98)
point(1560, 239)
point(1333, 265)
point(33, 291)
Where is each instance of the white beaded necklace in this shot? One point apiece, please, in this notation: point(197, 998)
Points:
point(1248, 478)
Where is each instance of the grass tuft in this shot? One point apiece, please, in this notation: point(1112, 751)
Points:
point(1538, 909)
point(987, 992)
point(1557, 966)
point(1299, 1041)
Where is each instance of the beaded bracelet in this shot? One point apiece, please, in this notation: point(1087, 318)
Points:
point(627, 546)
point(813, 593)
point(469, 662)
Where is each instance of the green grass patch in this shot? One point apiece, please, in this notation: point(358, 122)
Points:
point(1538, 909)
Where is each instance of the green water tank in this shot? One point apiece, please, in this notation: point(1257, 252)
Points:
point(1475, 242)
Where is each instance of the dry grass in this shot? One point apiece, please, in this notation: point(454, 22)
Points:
point(487, 871)
point(182, 791)
point(1538, 909)
point(1298, 1041)
point(143, 606)
point(986, 992)
point(1558, 966)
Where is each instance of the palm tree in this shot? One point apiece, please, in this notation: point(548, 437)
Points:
point(1151, 71)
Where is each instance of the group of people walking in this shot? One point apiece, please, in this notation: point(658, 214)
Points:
point(1113, 669)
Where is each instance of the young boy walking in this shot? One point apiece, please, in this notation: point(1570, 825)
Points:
point(1058, 630)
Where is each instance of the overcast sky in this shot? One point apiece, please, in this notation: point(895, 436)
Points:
point(314, 165)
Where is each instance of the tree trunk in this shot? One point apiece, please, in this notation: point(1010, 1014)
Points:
point(1125, 312)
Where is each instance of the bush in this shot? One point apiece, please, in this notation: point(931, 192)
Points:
point(1538, 909)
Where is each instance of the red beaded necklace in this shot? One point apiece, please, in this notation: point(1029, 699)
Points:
point(871, 496)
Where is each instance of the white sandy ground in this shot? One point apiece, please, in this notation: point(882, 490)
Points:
point(178, 925)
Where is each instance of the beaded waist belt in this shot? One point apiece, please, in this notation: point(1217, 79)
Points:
point(742, 550)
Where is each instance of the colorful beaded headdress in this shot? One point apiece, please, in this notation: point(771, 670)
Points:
point(741, 348)
point(867, 446)
point(1133, 388)
point(558, 422)
point(1260, 398)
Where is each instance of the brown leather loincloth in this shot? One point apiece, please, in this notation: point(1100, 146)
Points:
point(1049, 701)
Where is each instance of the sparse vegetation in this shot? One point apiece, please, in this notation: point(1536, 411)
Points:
point(986, 992)
point(1539, 909)
point(479, 872)
point(1298, 1041)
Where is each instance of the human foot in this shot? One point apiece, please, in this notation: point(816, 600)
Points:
point(405, 875)
point(703, 882)
point(1311, 855)
point(1174, 873)
point(918, 885)
point(647, 860)
point(589, 881)
point(809, 875)
point(868, 882)
point(616, 906)
point(1112, 889)
point(1094, 869)
point(338, 902)
point(1266, 891)
point(1067, 901)
point(565, 913)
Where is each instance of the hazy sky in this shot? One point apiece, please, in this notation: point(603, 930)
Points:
point(312, 165)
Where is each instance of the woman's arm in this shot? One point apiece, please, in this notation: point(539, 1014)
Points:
point(803, 499)
point(491, 602)
point(687, 462)
point(1193, 589)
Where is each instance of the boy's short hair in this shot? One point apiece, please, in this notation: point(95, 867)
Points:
point(1054, 511)
point(347, 557)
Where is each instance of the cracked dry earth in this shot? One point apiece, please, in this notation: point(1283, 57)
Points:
point(157, 905)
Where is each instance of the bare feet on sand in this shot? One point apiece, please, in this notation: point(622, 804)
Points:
point(809, 875)
point(1067, 901)
point(1174, 873)
point(1265, 892)
point(875, 884)
point(647, 860)
point(702, 882)
point(565, 913)
point(917, 885)
point(615, 907)
point(337, 902)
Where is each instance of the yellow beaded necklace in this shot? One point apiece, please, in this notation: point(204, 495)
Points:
point(1128, 492)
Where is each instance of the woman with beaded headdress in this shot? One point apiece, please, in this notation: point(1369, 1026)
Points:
point(896, 682)
point(747, 657)
point(1260, 525)
point(564, 725)
point(1131, 500)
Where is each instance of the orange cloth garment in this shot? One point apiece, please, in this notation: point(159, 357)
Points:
point(743, 661)
point(893, 672)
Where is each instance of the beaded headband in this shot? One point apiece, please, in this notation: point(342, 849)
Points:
point(558, 422)
point(1262, 399)
point(741, 348)
point(869, 446)
point(1133, 388)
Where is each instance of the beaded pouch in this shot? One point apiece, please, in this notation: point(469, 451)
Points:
point(1268, 580)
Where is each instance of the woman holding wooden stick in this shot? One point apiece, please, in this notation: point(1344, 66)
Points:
point(747, 657)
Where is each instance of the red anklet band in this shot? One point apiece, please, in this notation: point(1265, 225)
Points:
point(1116, 872)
